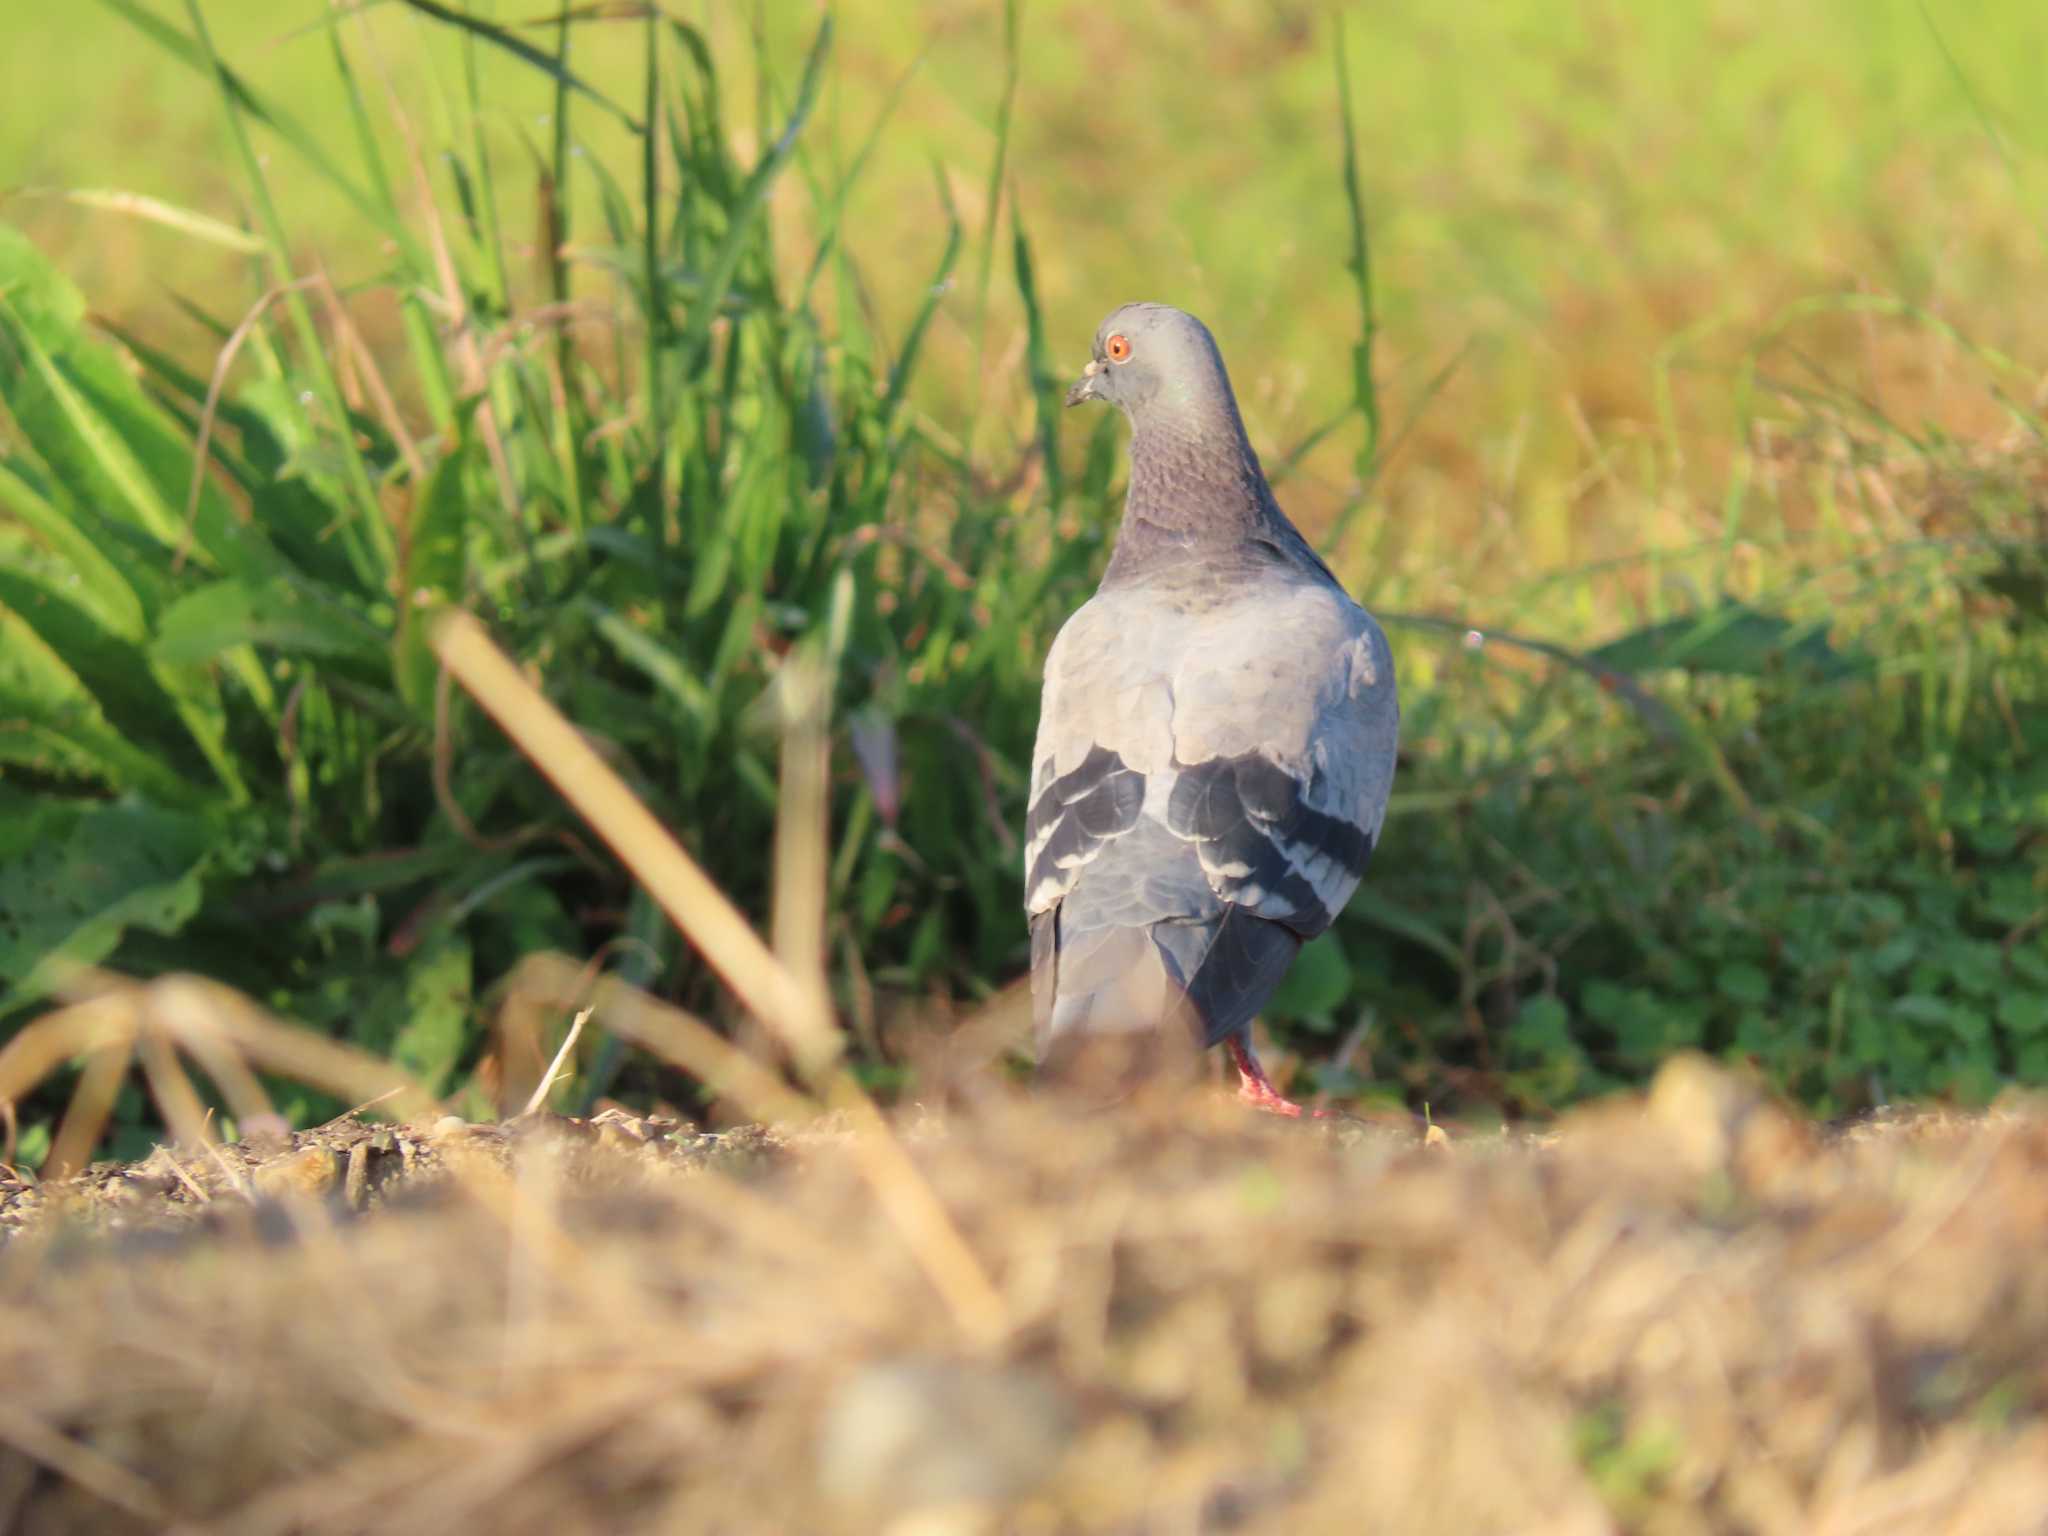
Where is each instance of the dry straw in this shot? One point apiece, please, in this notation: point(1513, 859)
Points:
point(1688, 1314)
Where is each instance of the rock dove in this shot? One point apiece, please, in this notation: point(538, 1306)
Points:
point(1216, 740)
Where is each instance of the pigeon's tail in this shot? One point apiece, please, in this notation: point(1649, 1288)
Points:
point(1118, 1004)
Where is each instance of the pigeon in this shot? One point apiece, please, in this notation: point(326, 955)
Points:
point(1215, 742)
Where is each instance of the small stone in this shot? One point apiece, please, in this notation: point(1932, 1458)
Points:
point(936, 1435)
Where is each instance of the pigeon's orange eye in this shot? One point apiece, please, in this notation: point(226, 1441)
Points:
point(1118, 348)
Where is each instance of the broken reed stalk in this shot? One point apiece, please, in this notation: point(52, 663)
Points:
point(797, 1013)
point(697, 907)
point(802, 833)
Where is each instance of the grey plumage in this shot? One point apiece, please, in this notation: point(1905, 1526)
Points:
point(1217, 735)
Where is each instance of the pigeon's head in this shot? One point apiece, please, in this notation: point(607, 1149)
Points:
point(1151, 358)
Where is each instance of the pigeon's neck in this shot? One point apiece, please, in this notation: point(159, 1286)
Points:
point(1197, 498)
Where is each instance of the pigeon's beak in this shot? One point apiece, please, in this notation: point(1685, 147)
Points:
point(1084, 387)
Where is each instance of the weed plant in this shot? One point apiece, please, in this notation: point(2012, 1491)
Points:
point(1797, 816)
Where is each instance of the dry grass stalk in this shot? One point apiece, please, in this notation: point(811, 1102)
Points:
point(111, 1020)
point(676, 1036)
point(694, 904)
point(802, 844)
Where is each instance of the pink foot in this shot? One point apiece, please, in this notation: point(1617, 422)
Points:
point(1257, 1090)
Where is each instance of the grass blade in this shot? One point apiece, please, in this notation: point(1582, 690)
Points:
point(527, 54)
point(366, 534)
point(305, 143)
point(994, 198)
point(1038, 360)
point(137, 205)
point(743, 215)
point(1364, 391)
point(906, 356)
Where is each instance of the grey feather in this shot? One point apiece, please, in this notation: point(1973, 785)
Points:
point(1217, 735)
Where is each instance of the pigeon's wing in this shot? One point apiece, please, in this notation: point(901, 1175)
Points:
point(1285, 727)
point(1100, 871)
point(1105, 736)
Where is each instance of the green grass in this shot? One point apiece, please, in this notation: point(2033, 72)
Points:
point(1672, 356)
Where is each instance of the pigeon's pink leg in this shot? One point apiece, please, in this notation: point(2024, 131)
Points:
point(1257, 1090)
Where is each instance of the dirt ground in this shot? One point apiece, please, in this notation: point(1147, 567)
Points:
point(1687, 1312)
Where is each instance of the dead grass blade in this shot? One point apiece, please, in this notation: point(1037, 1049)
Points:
point(173, 1091)
point(92, 1101)
point(111, 1019)
point(48, 1042)
point(541, 1089)
point(182, 1015)
point(223, 1030)
point(312, 1059)
point(230, 349)
point(555, 982)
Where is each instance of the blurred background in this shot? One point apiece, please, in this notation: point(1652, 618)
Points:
point(1663, 377)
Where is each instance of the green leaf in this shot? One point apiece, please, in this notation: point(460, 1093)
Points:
point(1542, 1024)
point(1319, 980)
point(526, 53)
point(1541, 1044)
point(2031, 1064)
point(74, 877)
point(1393, 918)
point(2024, 1013)
point(660, 665)
point(216, 618)
point(50, 721)
point(1977, 966)
point(34, 1147)
point(41, 593)
point(111, 448)
point(1742, 982)
point(268, 422)
point(1733, 639)
point(1964, 1020)
point(1894, 954)
point(707, 577)
point(436, 1009)
point(92, 580)
point(434, 574)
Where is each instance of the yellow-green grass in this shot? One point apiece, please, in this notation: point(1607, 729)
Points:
point(1587, 213)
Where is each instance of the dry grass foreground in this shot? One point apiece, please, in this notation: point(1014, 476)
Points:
point(1689, 1312)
